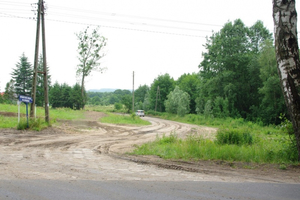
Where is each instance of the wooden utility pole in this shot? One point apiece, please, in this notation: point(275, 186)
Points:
point(157, 97)
point(133, 92)
point(37, 44)
point(47, 118)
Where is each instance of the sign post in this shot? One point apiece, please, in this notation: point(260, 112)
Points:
point(26, 100)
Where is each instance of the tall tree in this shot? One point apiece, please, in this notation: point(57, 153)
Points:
point(22, 76)
point(55, 95)
point(139, 94)
point(287, 54)
point(9, 94)
point(272, 101)
point(166, 84)
point(227, 70)
point(178, 102)
point(190, 83)
point(90, 49)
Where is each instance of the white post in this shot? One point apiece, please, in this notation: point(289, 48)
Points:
point(18, 102)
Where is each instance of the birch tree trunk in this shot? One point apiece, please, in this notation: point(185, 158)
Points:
point(287, 55)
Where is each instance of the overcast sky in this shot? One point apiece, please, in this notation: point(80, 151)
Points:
point(149, 37)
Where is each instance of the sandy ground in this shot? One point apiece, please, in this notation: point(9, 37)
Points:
point(90, 150)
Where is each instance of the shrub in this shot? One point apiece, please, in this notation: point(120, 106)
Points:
point(234, 136)
point(118, 106)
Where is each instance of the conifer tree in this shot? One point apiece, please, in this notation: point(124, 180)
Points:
point(22, 76)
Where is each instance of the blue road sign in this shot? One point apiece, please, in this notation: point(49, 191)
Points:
point(25, 99)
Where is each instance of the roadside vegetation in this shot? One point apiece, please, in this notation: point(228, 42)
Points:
point(39, 123)
point(235, 140)
point(124, 119)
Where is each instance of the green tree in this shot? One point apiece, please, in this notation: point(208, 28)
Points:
point(66, 96)
point(178, 102)
point(55, 94)
point(227, 70)
point(9, 94)
point(140, 93)
point(90, 49)
point(127, 101)
point(272, 101)
point(22, 76)
point(190, 83)
point(76, 97)
point(166, 84)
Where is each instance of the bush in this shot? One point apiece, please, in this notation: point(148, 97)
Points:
point(118, 106)
point(234, 136)
point(34, 124)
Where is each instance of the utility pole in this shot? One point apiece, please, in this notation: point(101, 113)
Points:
point(133, 92)
point(37, 44)
point(47, 119)
point(157, 97)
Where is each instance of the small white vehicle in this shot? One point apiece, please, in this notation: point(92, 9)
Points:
point(140, 113)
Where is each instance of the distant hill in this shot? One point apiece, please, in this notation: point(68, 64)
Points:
point(102, 90)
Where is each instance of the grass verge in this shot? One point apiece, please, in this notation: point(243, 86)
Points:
point(124, 119)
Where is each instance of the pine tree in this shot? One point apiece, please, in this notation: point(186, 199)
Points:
point(22, 76)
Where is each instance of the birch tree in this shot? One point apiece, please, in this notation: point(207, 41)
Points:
point(90, 49)
point(287, 55)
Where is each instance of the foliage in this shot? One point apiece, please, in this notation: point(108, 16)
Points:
point(9, 94)
point(127, 102)
point(234, 136)
point(227, 70)
point(266, 150)
point(118, 106)
point(178, 102)
point(123, 119)
point(76, 98)
point(157, 97)
point(140, 93)
point(106, 98)
point(22, 77)
point(90, 49)
point(34, 124)
point(66, 96)
point(190, 83)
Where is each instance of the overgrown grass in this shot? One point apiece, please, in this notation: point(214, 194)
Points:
point(236, 140)
point(124, 119)
point(267, 150)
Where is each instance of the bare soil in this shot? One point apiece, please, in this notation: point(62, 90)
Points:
point(90, 150)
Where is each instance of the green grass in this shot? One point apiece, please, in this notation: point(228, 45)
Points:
point(197, 148)
point(123, 119)
point(38, 124)
point(237, 140)
point(61, 113)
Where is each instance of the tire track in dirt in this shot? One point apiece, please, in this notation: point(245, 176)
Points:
point(90, 150)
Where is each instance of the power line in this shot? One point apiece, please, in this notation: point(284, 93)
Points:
point(106, 26)
point(134, 16)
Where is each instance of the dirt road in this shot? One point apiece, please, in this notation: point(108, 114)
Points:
point(90, 150)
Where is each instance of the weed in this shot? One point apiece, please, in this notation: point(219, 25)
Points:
point(234, 136)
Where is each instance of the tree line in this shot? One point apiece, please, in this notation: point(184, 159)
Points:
point(237, 78)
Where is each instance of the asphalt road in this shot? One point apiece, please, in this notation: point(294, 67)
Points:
point(185, 190)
